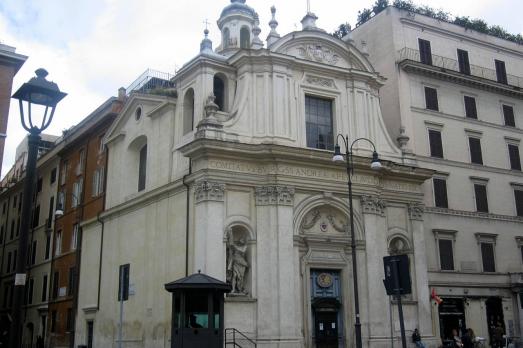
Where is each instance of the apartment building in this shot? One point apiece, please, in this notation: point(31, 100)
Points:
point(39, 241)
point(454, 101)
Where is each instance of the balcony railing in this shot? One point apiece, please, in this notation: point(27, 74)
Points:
point(407, 53)
point(149, 80)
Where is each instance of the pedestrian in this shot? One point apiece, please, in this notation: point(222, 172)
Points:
point(468, 338)
point(416, 338)
point(497, 336)
point(457, 343)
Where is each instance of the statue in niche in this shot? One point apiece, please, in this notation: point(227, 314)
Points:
point(237, 264)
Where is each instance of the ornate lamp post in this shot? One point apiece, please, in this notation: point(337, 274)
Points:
point(375, 165)
point(38, 91)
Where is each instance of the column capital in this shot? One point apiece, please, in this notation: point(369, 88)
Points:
point(416, 211)
point(209, 191)
point(373, 205)
point(274, 195)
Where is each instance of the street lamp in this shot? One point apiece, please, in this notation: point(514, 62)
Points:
point(375, 165)
point(43, 94)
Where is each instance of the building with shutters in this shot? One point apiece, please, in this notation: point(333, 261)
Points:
point(454, 101)
point(229, 172)
point(39, 240)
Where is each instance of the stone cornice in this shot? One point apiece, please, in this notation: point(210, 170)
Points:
point(473, 214)
point(296, 157)
point(412, 66)
point(138, 201)
point(468, 121)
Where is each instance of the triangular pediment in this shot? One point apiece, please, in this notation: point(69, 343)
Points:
point(319, 47)
point(150, 103)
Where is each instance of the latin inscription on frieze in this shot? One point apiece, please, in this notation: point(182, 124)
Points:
point(307, 172)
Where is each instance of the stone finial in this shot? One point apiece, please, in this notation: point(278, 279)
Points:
point(257, 43)
point(273, 23)
point(206, 44)
point(209, 126)
point(309, 22)
point(403, 140)
point(211, 107)
point(121, 93)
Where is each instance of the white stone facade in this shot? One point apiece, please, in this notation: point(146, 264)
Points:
point(227, 159)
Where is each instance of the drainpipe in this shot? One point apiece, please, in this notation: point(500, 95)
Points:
point(187, 219)
point(101, 221)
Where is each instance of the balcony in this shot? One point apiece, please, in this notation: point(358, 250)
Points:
point(151, 80)
point(447, 68)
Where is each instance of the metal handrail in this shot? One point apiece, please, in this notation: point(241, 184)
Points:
point(235, 332)
point(408, 53)
point(147, 76)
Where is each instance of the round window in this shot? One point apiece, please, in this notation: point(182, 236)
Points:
point(138, 113)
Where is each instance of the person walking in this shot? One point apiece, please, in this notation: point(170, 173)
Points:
point(457, 343)
point(416, 338)
point(468, 339)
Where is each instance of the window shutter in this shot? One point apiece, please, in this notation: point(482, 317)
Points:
point(475, 150)
point(463, 60)
point(513, 152)
point(481, 198)
point(440, 193)
point(431, 98)
point(470, 107)
point(445, 254)
point(487, 254)
point(518, 196)
point(436, 147)
point(501, 72)
point(508, 115)
point(425, 53)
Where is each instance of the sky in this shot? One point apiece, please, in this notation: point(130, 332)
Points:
point(93, 47)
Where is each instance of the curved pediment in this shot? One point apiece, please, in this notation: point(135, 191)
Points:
point(323, 48)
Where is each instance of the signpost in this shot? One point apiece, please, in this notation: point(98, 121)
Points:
point(397, 282)
point(123, 295)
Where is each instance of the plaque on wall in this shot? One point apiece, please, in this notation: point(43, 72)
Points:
point(324, 280)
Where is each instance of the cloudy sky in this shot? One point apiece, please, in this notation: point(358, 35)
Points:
point(93, 47)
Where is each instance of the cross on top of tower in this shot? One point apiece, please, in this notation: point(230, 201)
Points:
point(206, 22)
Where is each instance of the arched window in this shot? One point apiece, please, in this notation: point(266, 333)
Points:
point(219, 92)
point(188, 111)
point(142, 168)
point(245, 38)
point(226, 38)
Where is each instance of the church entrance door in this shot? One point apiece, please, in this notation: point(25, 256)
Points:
point(326, 327)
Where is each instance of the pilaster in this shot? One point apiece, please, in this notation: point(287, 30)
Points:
point(373, 209)
point(276, 268)
point(208, 228)
point(416, 211)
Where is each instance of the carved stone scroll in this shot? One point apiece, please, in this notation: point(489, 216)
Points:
point(416, 211)
point(274, 195)
point(373, 205)
point(209, 191)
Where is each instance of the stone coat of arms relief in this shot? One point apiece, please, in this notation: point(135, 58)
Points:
point(324, 219)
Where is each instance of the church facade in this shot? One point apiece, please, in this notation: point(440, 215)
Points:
point(231, 174)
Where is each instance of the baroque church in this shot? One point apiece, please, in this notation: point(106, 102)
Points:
point(232, 175)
